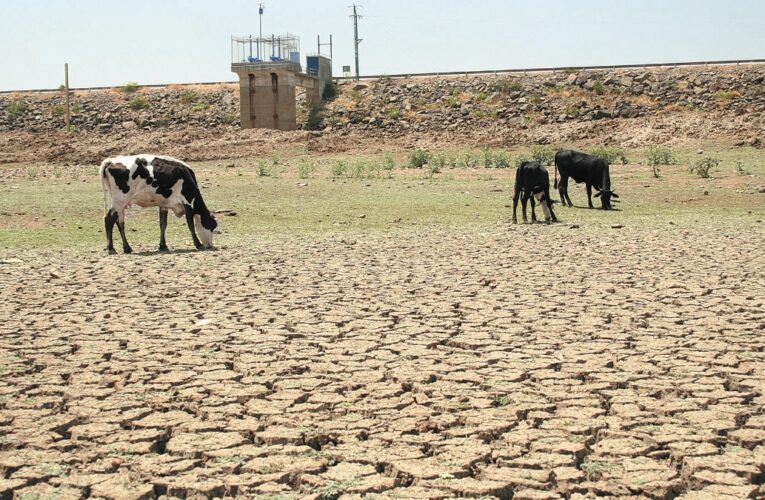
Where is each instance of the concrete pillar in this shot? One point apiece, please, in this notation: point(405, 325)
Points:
point(267, 96)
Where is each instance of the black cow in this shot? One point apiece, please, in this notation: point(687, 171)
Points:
point(581, 167)
point(531, 178)
point(155, 181)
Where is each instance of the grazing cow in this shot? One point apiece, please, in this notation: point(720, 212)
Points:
point(155, 181)
point(581, 167)
point(531, 178)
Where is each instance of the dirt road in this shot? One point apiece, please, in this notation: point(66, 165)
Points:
point(532, 361)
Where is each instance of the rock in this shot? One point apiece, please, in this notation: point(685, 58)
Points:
point(129, 125)
point(616, 226)
point(360, 86)
point(761, 189)
point(754, 142)
point(599, 114)
point(362, 216)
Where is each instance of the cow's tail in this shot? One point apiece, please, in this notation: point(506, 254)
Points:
point(555, 186)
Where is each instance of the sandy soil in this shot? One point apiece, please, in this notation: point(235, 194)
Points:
point(416, 366)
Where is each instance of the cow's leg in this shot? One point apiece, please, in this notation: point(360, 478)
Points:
point(162, 227)
point(563, 190)
point(549, 205)
point(589, 195)
point(524, 200)
point(533, 212)
point(109, 219)
point(190, 223)
point(121, 226)
point(515, 205)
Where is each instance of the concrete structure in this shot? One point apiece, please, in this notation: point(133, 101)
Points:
point(267, 88)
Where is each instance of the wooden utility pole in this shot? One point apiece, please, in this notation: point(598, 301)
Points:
point(66, 89)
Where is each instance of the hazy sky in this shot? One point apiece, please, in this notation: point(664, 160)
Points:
point(110, 42)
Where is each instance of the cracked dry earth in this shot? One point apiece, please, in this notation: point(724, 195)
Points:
point(414, 366)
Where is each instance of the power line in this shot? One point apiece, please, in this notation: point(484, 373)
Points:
point(356, 40)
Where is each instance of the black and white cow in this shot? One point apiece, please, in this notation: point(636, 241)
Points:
point(155, 181)
point(581, 167)
point(533, 181)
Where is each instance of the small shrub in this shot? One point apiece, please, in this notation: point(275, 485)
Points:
point(31, 173)
point(469, 160)
point(199, 107)
point(502, 160)
point(338, 169)
point(58, 110)
point(480, 114)
point(741, 169)
point(230, 119)
point(488, 158)
point(16, 108)
point(658, 155)
point(704, 167)
point(130, 88)
point(138, 103)
point(418, 158)
point(439, 160)
point(543, 154)
point(263, 169)
point(451, 159)
point(305, 169)
point(388, 163)
point(393, 112)
point(725, 95)
point(508, 86)
point(609, 153)
point(433, 170)
point(188, 97)
point(599, 88)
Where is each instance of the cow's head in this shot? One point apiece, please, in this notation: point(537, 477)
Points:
point(541, 195)
point(205, 224)
point(605, 198)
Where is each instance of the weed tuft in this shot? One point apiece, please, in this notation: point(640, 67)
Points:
point(704, 167)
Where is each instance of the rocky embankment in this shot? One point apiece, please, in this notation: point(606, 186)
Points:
point(629, 108)
point(447, 104)
point(417, 104)
point(123, 108)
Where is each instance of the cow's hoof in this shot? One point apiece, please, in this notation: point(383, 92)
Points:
point(570, 205)
point(163, 248)
point(200, 247)
point(127, 250)
point(111, 251)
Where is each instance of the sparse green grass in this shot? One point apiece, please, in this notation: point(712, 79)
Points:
point(130, 88)
point(332, 489)
point(393, 112)
point(16, 108)
point(418, 158)
point(501, 401)
point(200, 106)
point(725, 95)
point(595, 470)
point(230, 119)
point(456, 199)
point(138, 103)
point(188, 97)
